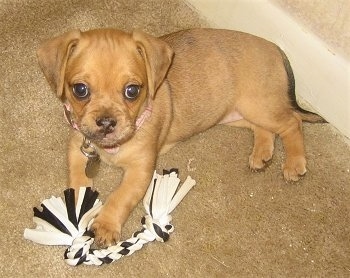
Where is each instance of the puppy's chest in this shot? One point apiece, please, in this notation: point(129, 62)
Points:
point(110, 159)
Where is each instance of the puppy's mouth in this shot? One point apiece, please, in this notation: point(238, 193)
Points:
point(109, 141)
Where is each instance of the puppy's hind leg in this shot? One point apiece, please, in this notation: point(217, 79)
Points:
point(293, 141)
point(288, 125)
point(263, 145)
point(263, 148)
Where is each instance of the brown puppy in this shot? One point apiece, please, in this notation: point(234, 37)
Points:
point(133, 96)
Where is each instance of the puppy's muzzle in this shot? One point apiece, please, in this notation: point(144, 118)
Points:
point(106, 125)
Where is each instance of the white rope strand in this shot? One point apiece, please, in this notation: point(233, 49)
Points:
point(60, 223)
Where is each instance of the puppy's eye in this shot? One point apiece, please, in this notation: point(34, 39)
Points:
point(132, 92)
point(81, 91)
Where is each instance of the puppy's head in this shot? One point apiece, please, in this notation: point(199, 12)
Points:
point(107, 77)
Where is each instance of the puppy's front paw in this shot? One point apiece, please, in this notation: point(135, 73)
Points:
point(294, 168)
point(106, 233)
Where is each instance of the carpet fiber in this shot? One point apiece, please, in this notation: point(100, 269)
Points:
point(234, 223)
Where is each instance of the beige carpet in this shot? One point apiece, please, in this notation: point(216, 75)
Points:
point(233, 224)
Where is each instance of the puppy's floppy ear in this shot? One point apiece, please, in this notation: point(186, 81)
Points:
point(53, 55)
point(158, 57)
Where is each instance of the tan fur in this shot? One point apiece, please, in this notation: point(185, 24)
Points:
point(193, 80)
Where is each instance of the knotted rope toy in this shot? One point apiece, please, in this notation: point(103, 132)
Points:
point(64, 223)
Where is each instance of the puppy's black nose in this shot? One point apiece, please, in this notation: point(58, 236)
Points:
point(107, 124)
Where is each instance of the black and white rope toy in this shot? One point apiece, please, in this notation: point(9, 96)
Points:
point(64, 223)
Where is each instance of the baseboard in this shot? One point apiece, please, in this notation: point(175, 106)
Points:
point(322, 77)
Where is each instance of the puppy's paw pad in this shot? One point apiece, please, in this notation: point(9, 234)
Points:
point(106, 234)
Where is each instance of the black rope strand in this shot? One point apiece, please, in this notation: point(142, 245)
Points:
point(69, 196)
point(49, 217)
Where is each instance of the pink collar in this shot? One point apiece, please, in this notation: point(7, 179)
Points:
point(68, 116)
point(144, 116)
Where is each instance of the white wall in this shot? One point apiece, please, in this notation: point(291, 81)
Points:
point(322, 77)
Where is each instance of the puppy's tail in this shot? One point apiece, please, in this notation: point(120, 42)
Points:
point(309, 117)
point(305, 115)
